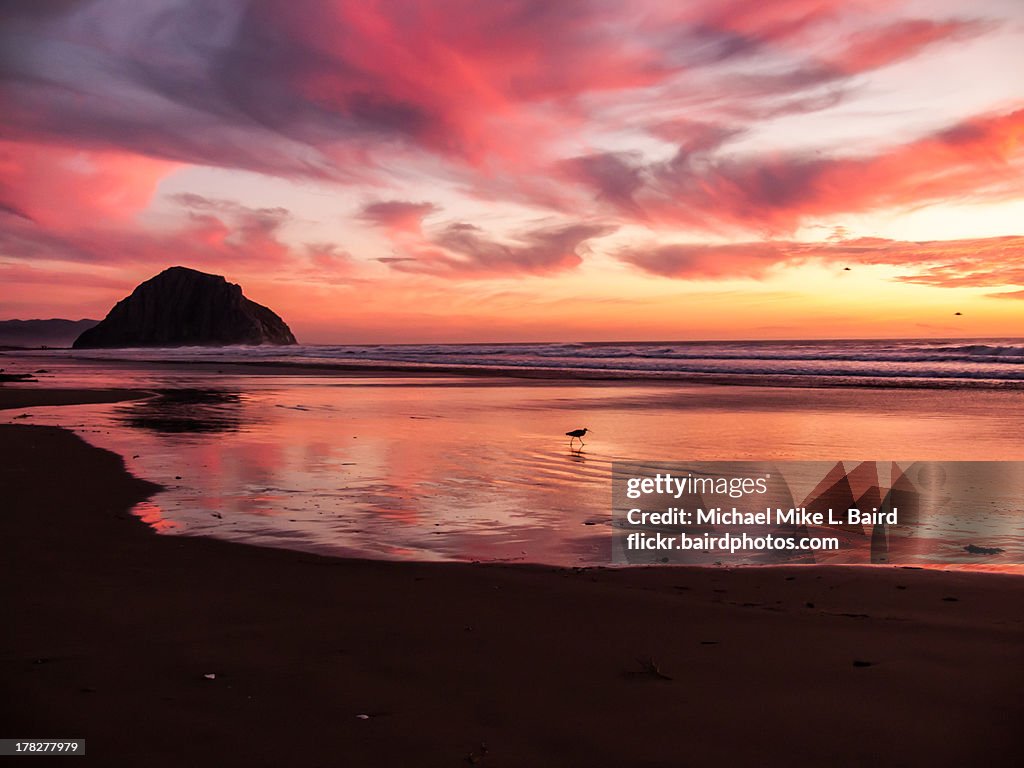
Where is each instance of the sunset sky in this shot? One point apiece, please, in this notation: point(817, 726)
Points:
point(514, 171)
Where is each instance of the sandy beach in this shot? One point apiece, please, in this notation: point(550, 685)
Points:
point(520, 384)
point(114, 632)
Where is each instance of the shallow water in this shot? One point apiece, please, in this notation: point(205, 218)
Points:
point(476, 469)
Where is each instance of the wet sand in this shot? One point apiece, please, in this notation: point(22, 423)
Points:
point(112, 628)
point(29, 398)
point(429, 469)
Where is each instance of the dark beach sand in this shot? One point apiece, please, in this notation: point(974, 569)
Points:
point(110, 628)
point(28, 398)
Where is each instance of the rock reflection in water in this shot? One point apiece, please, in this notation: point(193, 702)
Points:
point(175, 411)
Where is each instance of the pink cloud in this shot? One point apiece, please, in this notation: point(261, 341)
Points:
point(398, 215)
point(978, 262)
point(62, 188)
point(322, 90)
point(214, 235)
point(312, 90)
point(981, 158)
point(328, 257)
point(465, 251)
point(699, 261)
point(880, 46)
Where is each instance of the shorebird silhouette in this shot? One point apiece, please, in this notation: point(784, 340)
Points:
point(577, 434)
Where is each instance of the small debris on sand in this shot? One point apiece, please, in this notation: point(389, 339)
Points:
point(976, 550)
point(649, 667)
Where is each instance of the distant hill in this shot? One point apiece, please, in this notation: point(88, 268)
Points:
point(42, 333)
point(184, 307)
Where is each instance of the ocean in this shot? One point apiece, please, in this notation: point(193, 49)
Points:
point(987, 363)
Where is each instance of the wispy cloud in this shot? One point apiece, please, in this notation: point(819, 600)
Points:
point(981, 158)
point(978, 262)
point(463, 250)
point(398, 215)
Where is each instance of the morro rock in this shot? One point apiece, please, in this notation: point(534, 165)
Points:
point(183, 307)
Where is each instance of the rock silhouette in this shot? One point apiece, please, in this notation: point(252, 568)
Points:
point(181, 307)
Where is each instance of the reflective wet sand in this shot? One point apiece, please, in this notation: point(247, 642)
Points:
point(471, 469)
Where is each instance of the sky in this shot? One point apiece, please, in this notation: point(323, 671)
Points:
point(523, 170)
